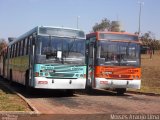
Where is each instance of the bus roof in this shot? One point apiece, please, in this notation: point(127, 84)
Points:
point(114, 36)
point(35, 30)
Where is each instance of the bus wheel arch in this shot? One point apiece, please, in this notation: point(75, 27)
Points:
point(28, 88)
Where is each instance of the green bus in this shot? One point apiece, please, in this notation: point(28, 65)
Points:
point(48, 58)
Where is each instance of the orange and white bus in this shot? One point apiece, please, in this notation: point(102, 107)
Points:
point(113, 61)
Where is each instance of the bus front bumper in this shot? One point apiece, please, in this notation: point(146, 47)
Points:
point(102, 83)
point(47, 83)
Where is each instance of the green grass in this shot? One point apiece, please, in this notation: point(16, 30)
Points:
point(11, 102)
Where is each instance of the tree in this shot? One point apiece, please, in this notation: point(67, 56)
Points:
point(107, 25)
point(148, 39)
point(3, 43)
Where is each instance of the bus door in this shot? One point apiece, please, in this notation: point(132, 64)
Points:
point(31, 44)
point(91, 63)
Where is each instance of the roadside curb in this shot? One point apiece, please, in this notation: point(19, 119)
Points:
point(34, 110)
point(143, 93)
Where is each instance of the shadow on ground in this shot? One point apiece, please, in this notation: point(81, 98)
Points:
point(41, 93)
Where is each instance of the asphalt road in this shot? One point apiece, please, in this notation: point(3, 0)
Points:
point(99, 102)
point(102, 102)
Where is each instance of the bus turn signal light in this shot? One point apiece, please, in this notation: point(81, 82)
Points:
point(36, 74)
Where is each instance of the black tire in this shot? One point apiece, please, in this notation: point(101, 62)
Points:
point(29, 90)
point(70, 92)
point(89, 90)
point(120, 91)
point(11, 77)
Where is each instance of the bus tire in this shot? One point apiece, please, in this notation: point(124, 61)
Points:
point(89, 90)
point(69, 92)
point(28, 89)
point(120, 91)
point(10, 77)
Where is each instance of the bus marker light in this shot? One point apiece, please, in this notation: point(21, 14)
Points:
point(137, 77)
point(46, 74)
point(36, 74)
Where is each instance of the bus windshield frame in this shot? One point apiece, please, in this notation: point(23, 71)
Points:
point(111, 53)
point(72, 50)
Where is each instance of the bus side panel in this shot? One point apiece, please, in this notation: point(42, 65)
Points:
point(19, 66)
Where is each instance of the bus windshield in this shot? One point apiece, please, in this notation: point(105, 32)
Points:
point(118, 53)
point(60, 50)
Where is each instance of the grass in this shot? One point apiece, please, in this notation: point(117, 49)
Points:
point(150, 73)
point(10, 101)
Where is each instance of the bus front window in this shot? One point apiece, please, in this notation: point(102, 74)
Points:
point(118, 53)
point(72, 50)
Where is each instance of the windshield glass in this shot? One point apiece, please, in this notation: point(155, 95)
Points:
point(60, 50)
point(118, 53)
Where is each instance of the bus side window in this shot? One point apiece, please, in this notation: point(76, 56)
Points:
point(23, 47)
point(19, 48)
point(14, 47)
point(27, 45)
point(11, 51)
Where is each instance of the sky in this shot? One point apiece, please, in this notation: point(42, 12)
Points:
point(19, 16)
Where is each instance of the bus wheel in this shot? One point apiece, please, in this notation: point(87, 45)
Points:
point(89, 90)
point(69, 92)
point(120, 91)
point(28, 89)
point(10, 77)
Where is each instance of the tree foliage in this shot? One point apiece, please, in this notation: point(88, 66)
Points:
point(3, 43)
point(107, 25)
point(148, 39)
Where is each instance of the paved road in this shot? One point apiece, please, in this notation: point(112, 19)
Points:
point(99, 102)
